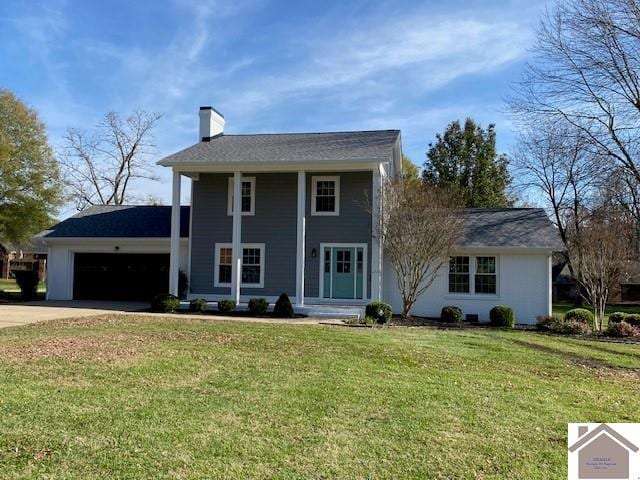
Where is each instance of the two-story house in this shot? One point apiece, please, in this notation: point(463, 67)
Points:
point(294, 213)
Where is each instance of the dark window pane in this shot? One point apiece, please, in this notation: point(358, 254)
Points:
point(224, 274)
point(458, 283)
point(250, 274)
point(246, 204)
point(485, 265)
point(486, 284)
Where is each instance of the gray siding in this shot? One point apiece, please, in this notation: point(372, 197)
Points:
point(210, 225)
point(273, 224)
point(353, 225)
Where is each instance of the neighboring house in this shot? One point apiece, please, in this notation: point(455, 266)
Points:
point(32, 256)
point(626, 289)
point(602, 453)
point(273, 213)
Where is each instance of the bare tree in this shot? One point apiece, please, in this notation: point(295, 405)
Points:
point(601, 249)
point(586, 71)
point(99, 166)
point(555, 163)
point(418, 229)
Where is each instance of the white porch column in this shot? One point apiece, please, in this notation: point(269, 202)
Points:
point(300, 257)
point(236, 239)
point(174, 256)
point(549, 284)
point(376, 246)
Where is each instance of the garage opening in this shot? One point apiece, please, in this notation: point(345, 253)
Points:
point(120, 276)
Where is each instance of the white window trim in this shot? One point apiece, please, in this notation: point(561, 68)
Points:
point(472, 277)
point(314, 190)
point(216, 268)
point(252, 180)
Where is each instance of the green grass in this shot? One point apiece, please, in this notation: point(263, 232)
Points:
point(10, 285)
point(145, 397)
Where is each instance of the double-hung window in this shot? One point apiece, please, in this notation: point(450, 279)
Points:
point(485, 280)
point(247, 196)
point(325, 195)
point(482, 269)
point(459, 275)
point(252, 271)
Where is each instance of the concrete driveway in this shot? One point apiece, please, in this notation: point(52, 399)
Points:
point(14, 314)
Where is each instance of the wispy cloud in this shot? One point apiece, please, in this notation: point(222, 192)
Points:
point(424, 52)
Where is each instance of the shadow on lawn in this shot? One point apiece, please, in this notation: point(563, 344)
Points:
point(579, 359)
point(603, 349)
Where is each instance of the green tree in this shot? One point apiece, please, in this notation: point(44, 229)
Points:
point(29, 180)
point(464, 160)
point(410, 171)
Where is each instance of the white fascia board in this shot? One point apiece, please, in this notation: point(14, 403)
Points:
point(505, 250)
point(320, 166)
point(96, 240)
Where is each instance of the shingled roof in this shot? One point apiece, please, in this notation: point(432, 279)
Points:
point(510, 227)
point(494, 227)
point(131, 221)
point(289, 148)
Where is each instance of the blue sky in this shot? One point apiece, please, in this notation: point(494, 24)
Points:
point(269, 66)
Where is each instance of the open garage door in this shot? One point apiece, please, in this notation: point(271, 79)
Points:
point(120, 276)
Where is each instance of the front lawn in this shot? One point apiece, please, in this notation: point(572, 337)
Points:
point(10, 285)
point(146, 397)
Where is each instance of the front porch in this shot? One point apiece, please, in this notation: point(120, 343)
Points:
point(332, 311)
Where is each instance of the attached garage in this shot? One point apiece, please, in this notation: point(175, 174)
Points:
point(113, 253)
point(120, 276)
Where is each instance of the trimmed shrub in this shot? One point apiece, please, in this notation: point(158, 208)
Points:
point(502, 316)
point(616, 317)
point(548, 323)
point(258, 306)
point(283, 308)
point(226, 306)
point(379, 311)
point(165, 303)
point(622, 330)
point(451, 314)
point(198, 305)
point(572, 327)
point(28, 281)
point(556, 324)
point(580, 315)
point(631, 319)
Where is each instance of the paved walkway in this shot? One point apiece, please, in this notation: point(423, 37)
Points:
point(14, 314)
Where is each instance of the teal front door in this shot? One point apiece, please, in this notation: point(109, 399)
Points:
point(343, 272)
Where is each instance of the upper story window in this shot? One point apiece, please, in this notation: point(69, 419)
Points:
point(248, 196)
point(325, 195)
point(481, 268)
